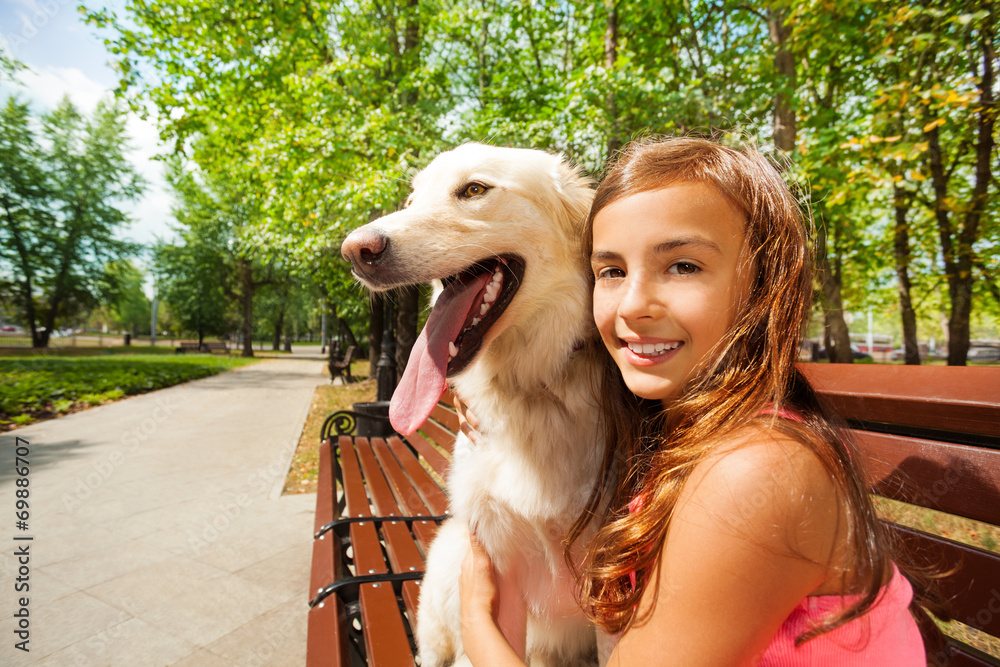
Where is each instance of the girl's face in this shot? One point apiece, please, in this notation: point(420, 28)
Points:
point(667, 282)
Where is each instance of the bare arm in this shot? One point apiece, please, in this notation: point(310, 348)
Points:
point(483, 641)
point(753, 533)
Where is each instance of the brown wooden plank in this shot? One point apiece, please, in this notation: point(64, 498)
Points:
point(383, 626)
point(951, 398)
point(963, 655)
point(443, 437)
point(447, 416)
point(326, 563)
point(973, 589)
point(326, 488)
point(384, 629)
point(958, 479)
point(326, 557)
point(411, 502)
point(437, 461)
point(356, 500)
point(326, 638)
point(403, 552)
point(433, 497)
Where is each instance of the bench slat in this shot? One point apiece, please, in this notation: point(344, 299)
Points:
point(437, 461)
point(409, 498)
point(946, 398)
point(958, 479)
point(973, 589)
point(431, 493)
point(385, 635)
point(326, 642)
point(403, 552)
point(963, 655)
point(447, 417)
point(441, 436)
point(326, 557)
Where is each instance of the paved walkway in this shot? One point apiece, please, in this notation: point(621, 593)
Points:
point(159, 533)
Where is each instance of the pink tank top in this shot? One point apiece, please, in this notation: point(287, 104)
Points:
point(884, 636)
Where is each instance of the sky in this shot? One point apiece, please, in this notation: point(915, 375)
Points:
point(67, 57)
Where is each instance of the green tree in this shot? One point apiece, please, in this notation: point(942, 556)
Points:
point(121, 290)
point(62, 199)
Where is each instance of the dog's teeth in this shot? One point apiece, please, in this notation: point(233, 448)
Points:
point(491, 293)
point(475, 321)
point(483, 308)
point(452, 350)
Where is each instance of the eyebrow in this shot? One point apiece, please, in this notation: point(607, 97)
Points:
point(666, 246)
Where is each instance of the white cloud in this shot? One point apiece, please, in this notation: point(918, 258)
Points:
point(49, 85)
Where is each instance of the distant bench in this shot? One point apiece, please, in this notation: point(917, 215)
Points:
point(930, 437)
point(342, 367)
point(208, 346)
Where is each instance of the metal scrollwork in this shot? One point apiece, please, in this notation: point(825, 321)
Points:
point(342, 422)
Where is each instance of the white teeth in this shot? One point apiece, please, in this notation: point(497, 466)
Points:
point(475, 321)
point(452, 350)
point(491, 292)
point(652, 349)
point(483, 308)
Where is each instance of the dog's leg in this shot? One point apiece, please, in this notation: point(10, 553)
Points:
point(439, 614)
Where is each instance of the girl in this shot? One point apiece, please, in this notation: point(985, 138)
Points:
point(733, 527)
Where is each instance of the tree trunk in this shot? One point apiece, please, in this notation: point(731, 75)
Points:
point(246, 303)
point(837, 335)
point(902, 251)
point(27, 288)
point(784, 65)
point(407, 314)
point(278, 326)
point(610, 58)
point(376, 323)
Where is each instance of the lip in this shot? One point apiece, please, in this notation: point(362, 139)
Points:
point(644, 361)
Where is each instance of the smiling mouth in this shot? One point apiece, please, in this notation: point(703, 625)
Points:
point(494, 296)
point(651, 349)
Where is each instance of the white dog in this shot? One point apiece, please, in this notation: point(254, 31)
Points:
point(502, 228)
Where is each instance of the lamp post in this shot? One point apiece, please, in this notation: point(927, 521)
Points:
point(385, 368)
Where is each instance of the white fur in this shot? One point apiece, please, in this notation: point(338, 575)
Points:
point(527, 480)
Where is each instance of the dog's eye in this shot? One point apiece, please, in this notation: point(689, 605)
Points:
point(474, 190)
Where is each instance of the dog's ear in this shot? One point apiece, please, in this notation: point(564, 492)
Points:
point(576, 190)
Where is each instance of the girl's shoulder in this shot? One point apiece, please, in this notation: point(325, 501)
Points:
point(770, 485)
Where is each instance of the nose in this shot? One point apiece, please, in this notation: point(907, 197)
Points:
point(639, 300)
point(364, 246)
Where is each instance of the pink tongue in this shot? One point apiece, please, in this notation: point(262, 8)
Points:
point(424, 379)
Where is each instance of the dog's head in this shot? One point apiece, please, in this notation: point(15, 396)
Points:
point(501, 228)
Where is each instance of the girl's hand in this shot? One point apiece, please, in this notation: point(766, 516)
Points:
point(483, 641)
point(467, 421)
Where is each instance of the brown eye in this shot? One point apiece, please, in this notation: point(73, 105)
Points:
point(474, 190)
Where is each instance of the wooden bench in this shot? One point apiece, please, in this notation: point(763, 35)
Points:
point(187, 347)
point(378, 506)
point(930, 435)
point(215, 346)
point(342, 367)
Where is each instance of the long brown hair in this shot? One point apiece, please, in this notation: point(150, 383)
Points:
point(651, 450)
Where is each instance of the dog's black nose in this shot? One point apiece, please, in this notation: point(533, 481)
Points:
point(363, 246)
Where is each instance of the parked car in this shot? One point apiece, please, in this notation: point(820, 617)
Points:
point(9, 328)
point(855, 352)
point(983, 354)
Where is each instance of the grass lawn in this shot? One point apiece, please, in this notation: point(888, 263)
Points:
point(304, 471)
point(34, 387)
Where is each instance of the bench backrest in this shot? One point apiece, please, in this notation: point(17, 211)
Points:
point(930, 436)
